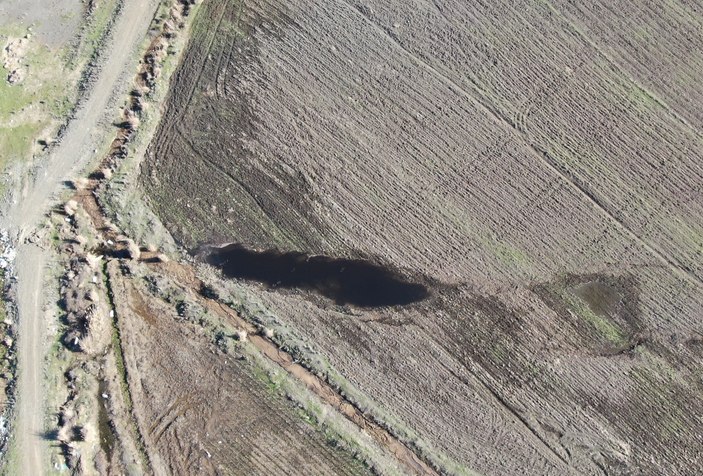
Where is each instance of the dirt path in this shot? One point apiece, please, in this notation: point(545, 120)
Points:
point(30, 349)
point(69, 157)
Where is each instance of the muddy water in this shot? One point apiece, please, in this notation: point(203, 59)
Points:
point(107, 434)
point(601, 298)
point(345, 281)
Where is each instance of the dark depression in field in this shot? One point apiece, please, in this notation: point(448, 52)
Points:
point(346, 281)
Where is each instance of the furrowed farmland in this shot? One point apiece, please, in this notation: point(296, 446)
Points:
point(432, 237)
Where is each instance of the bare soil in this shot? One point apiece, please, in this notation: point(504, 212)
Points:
point(32, 201)
point(537, 165)
point(181, 395)
point(201, 410)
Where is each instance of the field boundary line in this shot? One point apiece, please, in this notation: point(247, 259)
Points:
point(121, 367)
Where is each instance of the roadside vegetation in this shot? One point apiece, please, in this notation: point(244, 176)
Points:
point(40, 84)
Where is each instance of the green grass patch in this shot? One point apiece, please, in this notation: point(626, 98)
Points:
point(12, 98)
point(47, 95)
point(507, 254)
point(116, 342)
point(602, 325)
point(93, 34)
point(16, 142)
point(39, 102)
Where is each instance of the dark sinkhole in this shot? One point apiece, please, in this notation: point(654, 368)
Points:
point(345, 281)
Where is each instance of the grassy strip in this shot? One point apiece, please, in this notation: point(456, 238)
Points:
point(94, 33)
point(116, 344)
point(123, 201)
point(602, 325)
point(305, 354)
point(339, 433)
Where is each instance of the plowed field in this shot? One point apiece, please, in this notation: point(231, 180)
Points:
point(537, 165)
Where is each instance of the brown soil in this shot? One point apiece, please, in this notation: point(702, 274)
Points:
point(507, 153)
point(161, 356)
point(198, 408)
point(131, 302)
point(201, 411)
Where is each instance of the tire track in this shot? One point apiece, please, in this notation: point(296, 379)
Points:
point(177, 117)
point(623, 73)
point(552, 164)
point(73, 153)
point(551, 453)
point(239, 183)
point(480, 99)
point(185, 276)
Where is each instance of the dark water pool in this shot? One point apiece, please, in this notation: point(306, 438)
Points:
point(105, 431)
point(346, 281)
point(601, 298)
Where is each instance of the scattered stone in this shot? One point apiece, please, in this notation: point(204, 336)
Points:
point(70, 207)
point(80, 183)
point(133, 251)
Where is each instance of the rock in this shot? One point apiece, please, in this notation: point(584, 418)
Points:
point(133, 251)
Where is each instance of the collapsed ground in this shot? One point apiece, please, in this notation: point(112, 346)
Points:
point(536, 162)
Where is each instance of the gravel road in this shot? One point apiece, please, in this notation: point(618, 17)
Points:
point(68, 158)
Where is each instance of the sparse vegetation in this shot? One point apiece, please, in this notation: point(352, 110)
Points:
point(33, 109)
point(495, 160)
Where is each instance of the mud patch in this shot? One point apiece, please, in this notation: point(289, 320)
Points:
point(483, 329)
point(602, 298)
point(108, 438)
point(601, 311)
point(345, 281)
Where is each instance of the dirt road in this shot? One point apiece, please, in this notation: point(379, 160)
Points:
point(67, 159)
point(30, 350)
